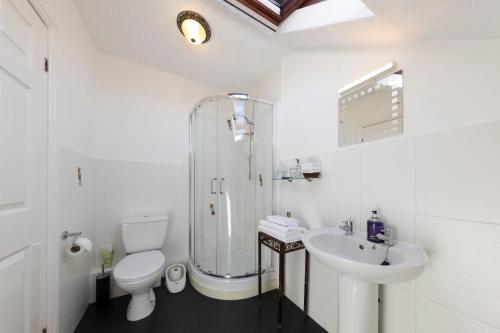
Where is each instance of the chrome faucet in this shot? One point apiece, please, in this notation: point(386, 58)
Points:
point(347, 227)
point(387, 236)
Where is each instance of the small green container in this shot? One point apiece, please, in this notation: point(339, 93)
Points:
point(107, 258)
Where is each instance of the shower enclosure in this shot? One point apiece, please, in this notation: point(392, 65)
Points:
point(231, 184)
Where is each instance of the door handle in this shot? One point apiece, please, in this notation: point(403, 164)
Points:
point(220, 186)
point(212, 186)
point(212, 209)
point(260, 180)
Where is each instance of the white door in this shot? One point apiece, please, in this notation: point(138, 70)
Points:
point(23, 163)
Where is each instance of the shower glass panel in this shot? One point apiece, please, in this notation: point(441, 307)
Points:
point(231, 183)
point(236, 255)
point(203, 185)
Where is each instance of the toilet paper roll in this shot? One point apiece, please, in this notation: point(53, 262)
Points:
point(175, 273)
point(84, 243)
point(74, 250)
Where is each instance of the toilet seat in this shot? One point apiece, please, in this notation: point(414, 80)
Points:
point(139, 266)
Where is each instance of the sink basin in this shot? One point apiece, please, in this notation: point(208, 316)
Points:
point(355, 256)
point(362, 266)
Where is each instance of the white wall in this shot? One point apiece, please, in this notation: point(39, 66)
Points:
point(143, 112)
point(437, 185)
point(268, 88)
point(142, 146)
point(76, 212)
point(126, 127)
point(447, 84)
point(72, 60)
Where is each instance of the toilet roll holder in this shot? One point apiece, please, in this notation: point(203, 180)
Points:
point(66, 234)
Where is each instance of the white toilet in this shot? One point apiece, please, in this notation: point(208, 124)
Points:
point(142, 268)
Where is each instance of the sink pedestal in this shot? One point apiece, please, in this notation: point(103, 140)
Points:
point(358, 263)
point(358, 305)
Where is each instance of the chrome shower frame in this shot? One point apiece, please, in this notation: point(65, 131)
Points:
point(191, 227)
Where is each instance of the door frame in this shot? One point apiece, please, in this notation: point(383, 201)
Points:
point(50, 258)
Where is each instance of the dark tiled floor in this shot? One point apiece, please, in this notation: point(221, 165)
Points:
point(191, 312)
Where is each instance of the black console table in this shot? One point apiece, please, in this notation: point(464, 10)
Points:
point(282, 248)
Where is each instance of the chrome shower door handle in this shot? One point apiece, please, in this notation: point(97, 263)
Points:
point(212, 186)
point(220, 186)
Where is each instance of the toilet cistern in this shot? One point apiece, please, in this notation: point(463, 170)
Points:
point(136, 274)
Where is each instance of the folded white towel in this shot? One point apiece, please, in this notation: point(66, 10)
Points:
point(310, 170)
point(291, 230)
point(279, 235)
point(286, 221)
point(310, 165)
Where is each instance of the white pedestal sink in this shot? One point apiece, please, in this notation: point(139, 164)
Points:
point(358, 263)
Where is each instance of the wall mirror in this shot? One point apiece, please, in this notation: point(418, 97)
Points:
point(371, 108)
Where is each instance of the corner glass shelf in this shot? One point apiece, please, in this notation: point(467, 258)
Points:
point(291, 179)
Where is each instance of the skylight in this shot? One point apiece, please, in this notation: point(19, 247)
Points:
point(326, 13)
point(296, 15)
point(271, 13)
point(272, 5)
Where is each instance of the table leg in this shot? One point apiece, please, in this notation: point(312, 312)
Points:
point(259, 269)
point(306, 286)
point(281, 290)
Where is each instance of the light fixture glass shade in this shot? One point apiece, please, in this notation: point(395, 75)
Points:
point(193, 31)
point(193, 27)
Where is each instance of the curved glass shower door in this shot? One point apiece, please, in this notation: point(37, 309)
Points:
point(237, 235)
point(204, 195)
point(231, 183)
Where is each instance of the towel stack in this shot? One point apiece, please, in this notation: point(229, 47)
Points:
point(311, 167)
point(283, 228)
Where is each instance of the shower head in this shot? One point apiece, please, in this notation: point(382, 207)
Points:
point(239, 123)
point(241, 126)
point(248, 121)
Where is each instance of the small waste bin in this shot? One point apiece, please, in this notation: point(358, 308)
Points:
point(175, 278)
point(102, 283)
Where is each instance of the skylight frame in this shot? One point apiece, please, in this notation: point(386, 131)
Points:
point(270, 4)
point(272, 10)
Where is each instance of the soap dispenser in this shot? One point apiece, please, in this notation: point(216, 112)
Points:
point(296, 172)
point(374, 226)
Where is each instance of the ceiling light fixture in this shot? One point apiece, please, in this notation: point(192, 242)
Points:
point(238, 95)
point(193, 27)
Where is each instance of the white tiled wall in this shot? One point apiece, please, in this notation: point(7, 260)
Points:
point(441, 191)
point(457, 174)
point(437, 92)
point(438, 187)
point(75, 213)
point(125, 188)
point(141, 159)
point(432, 317)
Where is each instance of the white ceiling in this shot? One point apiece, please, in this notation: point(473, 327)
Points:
point(404, 21)
point(240, 52)
point(145, 31)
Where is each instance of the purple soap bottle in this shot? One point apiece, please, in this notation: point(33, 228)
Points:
point(374, 226)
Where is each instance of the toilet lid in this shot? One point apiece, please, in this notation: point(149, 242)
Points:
point(139, 265)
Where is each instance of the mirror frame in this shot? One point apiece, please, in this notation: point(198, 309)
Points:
point(378, 74)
